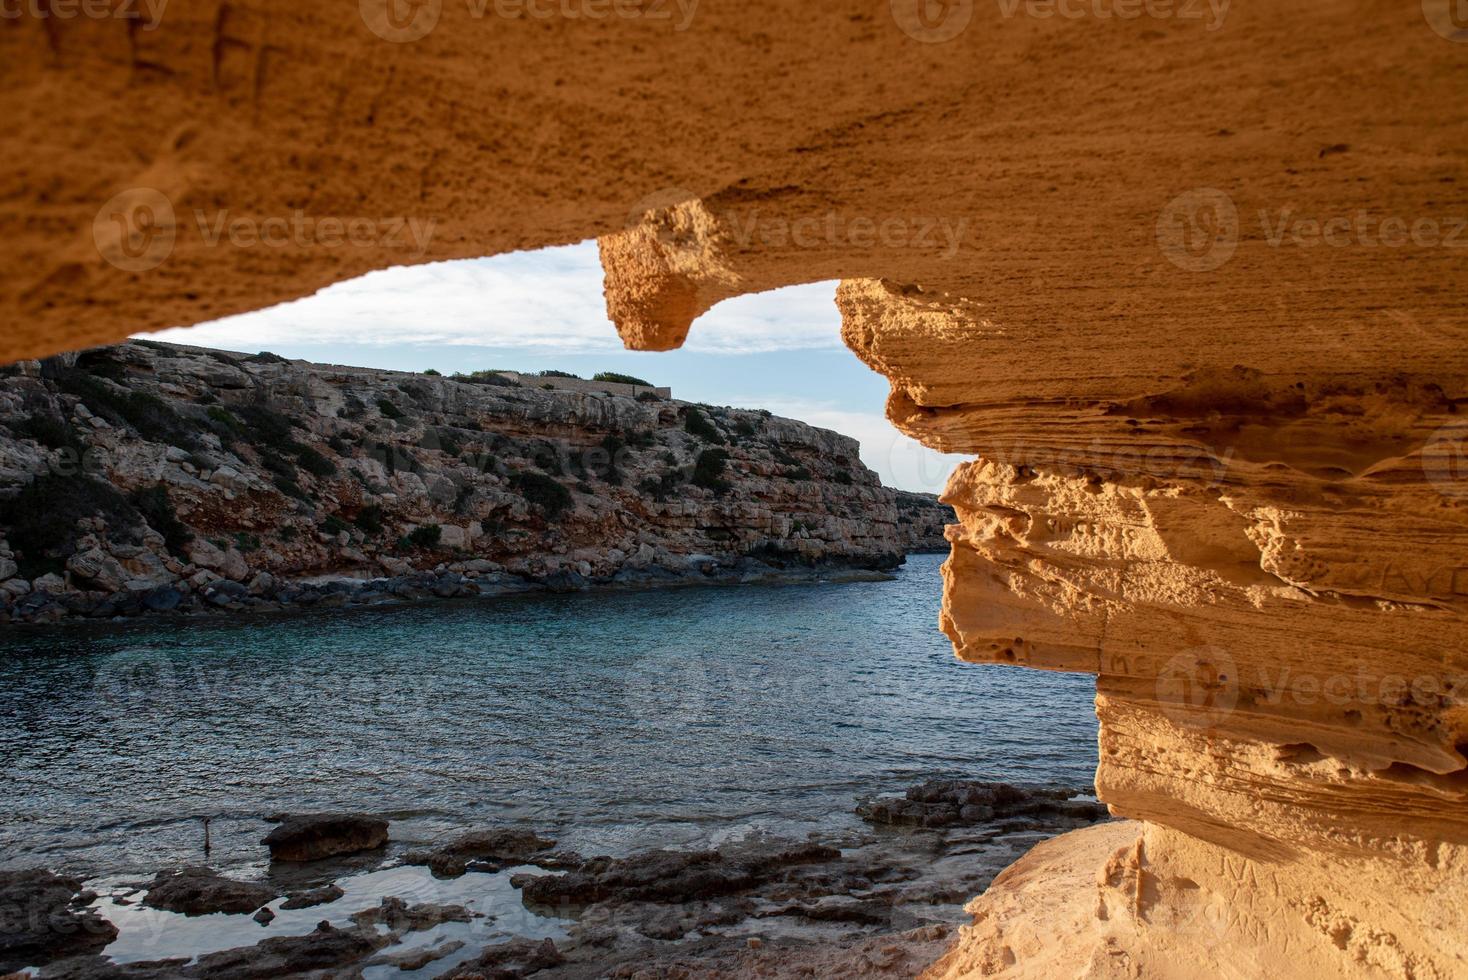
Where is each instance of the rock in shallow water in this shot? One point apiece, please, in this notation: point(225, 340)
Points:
point(313, 836)
point(43, 917)
point(313, 897)
point(953, 802)
point(673, 876)
point(488, 850)
point(200, 891)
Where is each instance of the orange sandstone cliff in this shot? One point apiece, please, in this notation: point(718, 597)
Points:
point(1185, 281)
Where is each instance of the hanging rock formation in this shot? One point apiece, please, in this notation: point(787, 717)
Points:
point(1185, 280)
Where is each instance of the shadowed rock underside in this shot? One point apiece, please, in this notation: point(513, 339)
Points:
point(1186, 287)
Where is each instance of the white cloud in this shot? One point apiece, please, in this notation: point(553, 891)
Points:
point(898, 459)
point(547, 299)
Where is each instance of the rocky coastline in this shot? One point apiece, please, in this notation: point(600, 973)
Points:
point(148, 479)
point(881, 901)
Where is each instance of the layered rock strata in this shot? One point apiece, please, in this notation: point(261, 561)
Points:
point(146, 477)
point(1182, 278)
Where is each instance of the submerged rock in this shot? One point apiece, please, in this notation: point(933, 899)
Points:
point(43, 917)
point(201, 891)
point(400, 917)
point(673, 876)
point(485, 850)
point(313, 836)
point(508, 961)
point(325, 949)
point(962, 802)
point(313, 897)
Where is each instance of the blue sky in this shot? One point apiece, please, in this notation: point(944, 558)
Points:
point(779, 350)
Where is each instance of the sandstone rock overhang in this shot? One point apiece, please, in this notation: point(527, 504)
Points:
point(1185, 280)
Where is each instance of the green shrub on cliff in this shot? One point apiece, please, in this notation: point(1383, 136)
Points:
point(698, 424)
point(426, 536)
point(708, 470)
point(157, 509)
point(41, 520)
point(388, 409)
point(149, 415)
point(369, 519)
point(314, 462)
point(613, 377)
point(49, 431)
point(542, 491)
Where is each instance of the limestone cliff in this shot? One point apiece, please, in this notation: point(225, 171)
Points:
point(146, 475)
point(1184, 279)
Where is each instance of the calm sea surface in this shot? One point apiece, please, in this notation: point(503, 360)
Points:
point(616, 720)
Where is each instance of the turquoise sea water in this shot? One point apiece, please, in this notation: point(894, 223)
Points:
point(614, 720)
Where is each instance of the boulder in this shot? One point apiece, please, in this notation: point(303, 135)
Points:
point(401, 917)
point(163, 599)
point(313, 836)
point(322, 953)
point(313, 897)
point(517, 958)
point(43, 917)
point(201, 891)
point(50, 582)
point(235, 566)
point(203, 553)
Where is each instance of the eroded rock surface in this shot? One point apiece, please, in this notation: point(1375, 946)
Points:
point(1183, 284)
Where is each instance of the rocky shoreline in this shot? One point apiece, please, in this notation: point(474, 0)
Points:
point(477, 578)
point(883, 901)
point(148, 478)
